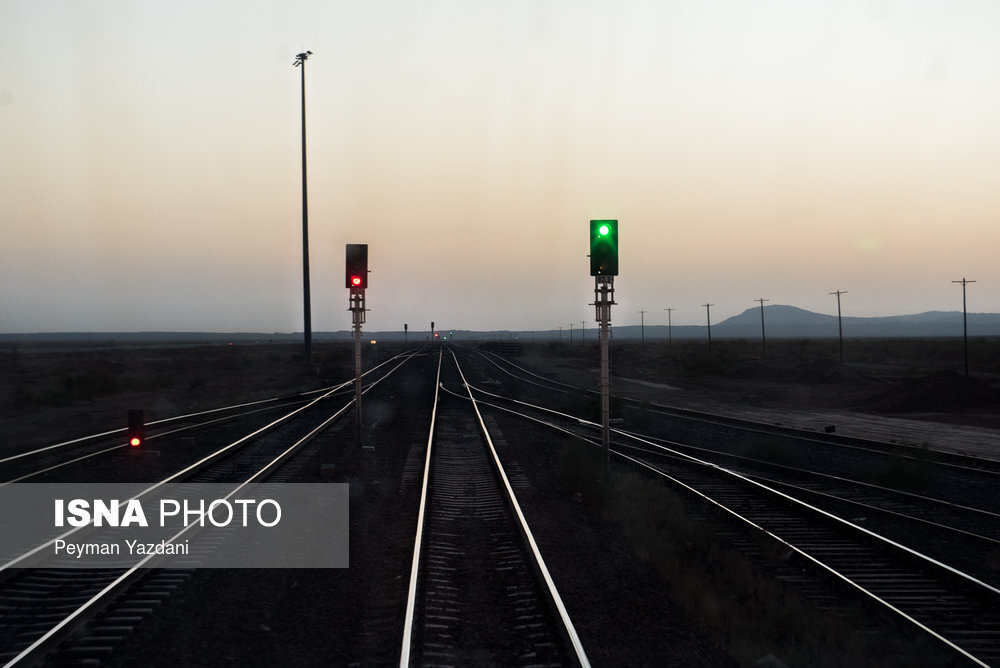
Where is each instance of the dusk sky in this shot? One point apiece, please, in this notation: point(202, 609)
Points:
point(150, 176)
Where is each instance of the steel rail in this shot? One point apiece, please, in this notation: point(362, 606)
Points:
point(201, 463)
point(54, 635)
point(763, 427)
point(829, 569)
point(659, 442)
point(151, 437)
point(798, 502)
point(549, 583)
point(411, 594)
point(175, 418)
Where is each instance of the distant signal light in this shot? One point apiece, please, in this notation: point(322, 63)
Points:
point(135, 442)
point(355, 281)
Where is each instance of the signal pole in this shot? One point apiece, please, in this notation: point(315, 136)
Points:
point(356, 278)
point(840, 326)
point(965, 325)
point(583, 338)
point(708, 315)
point(604, 268)
point(300, 61)
point(642, 326)
point(670, 336)
point(571, 333)
point(604, 299)
point(763, 338)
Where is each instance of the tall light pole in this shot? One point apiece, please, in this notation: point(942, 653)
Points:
point(965, 324)
point(763, 338)
point(708, 315)
point(642, 326)
point(670, 336)
point(840, 326)
point(300, 61)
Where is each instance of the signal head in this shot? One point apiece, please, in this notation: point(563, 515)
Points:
point(136, 430)
point(604, 248)
point(357, 266)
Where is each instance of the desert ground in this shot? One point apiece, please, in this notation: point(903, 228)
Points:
point(913, 391)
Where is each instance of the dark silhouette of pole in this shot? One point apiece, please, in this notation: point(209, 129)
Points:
point(965, 325)
point(763, 338)
point(840, 326)
point(670, 336)
point(642, 326)
point(708, 315)
point(583, 324)
point(571, 332)
point(300, 61)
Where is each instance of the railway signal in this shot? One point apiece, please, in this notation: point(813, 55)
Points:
point(604, 248)
point(136, 428)
point(357, 266)
point(356, 279)
point(604, 268)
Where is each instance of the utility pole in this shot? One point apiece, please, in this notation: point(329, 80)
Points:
point(300, 61)
point(763, 338)
point(642, 326)
point(965, 324)
point(840, 325)
point(560, 334)
point(571, 333)
point(583, 338)
point(670, 336)
point(708, 313)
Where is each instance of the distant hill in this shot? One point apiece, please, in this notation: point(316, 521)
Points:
point(782, 321)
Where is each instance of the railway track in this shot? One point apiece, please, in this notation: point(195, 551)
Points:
point(479, 588)
point(61, 461)
point(946, 460)
point(959, 610)
point(477, 592)
point(43, 608)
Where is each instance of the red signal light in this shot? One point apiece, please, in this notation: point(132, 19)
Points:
point(355, 281)
point(136, 428)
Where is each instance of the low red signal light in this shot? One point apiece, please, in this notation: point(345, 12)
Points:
point(355, 281)
point(136, 430)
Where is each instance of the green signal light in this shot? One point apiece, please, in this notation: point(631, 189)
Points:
point(604, 247)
